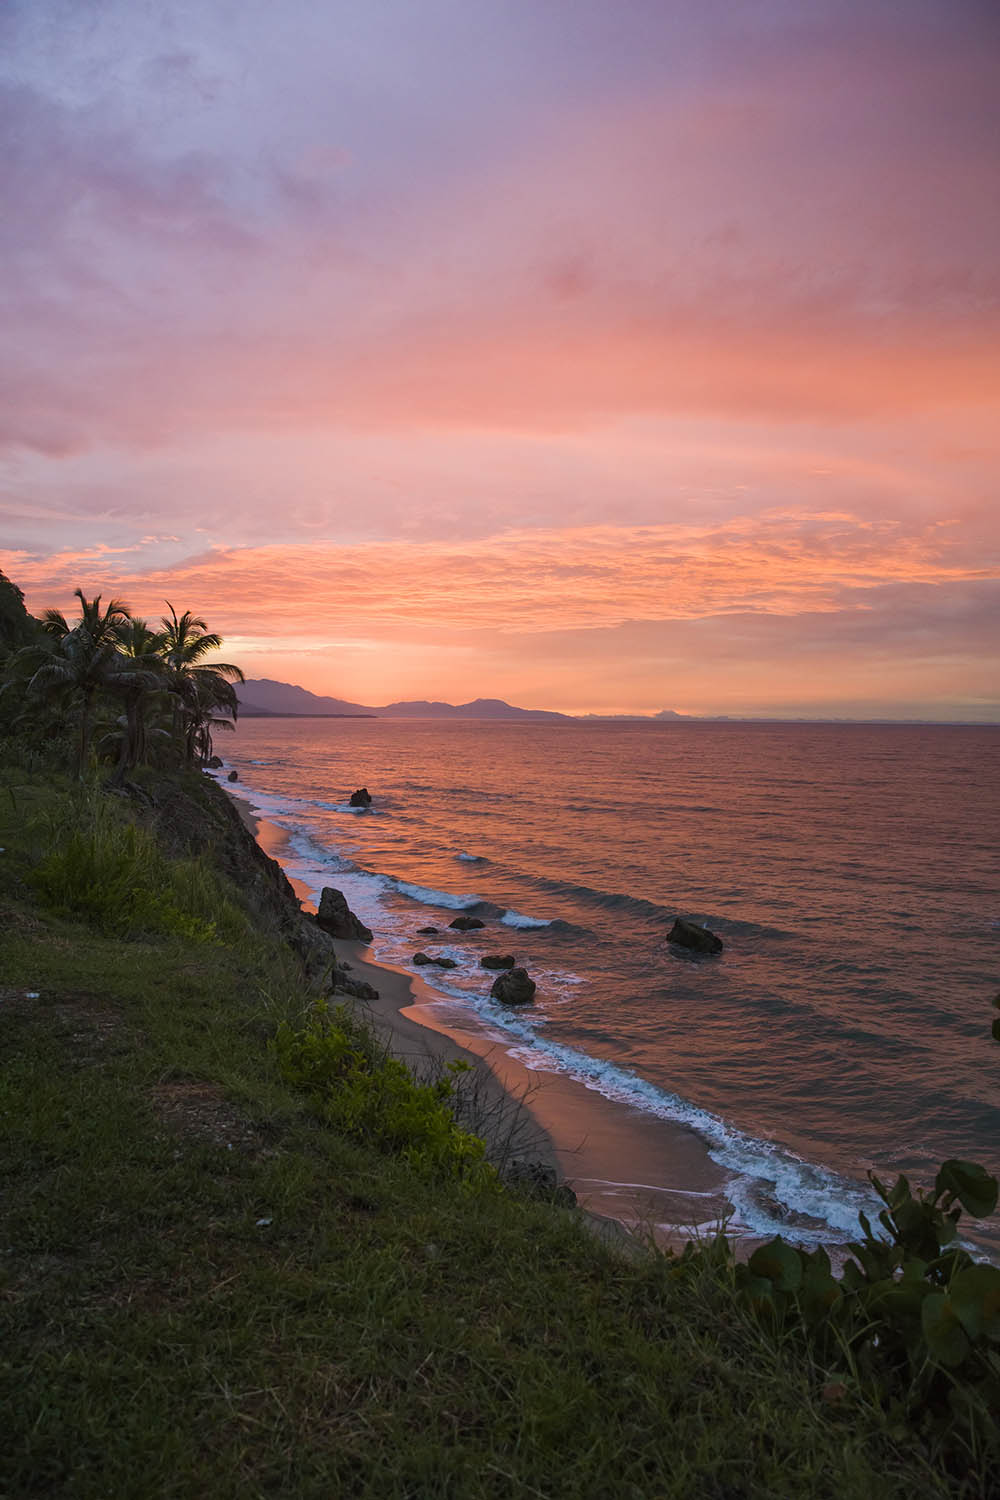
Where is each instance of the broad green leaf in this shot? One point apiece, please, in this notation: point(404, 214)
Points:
point(971, 1184)
point(944, 1333)
point(779, 1263)
point(975, 1296)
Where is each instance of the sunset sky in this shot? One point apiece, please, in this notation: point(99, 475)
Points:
point(596, 356)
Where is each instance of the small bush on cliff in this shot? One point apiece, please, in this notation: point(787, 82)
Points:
point(375, 1098)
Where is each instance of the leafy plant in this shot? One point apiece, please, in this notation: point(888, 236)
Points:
point(375, 1098)
point(912, 1316)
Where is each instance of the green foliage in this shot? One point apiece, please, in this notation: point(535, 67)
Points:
point(912, 1318)
point(114, 875)
point(375, 1098)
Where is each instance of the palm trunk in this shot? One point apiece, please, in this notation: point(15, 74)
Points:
point(84, 743)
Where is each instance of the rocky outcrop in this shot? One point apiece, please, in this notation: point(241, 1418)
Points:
point(233, 776)
point(428, 931)
point(697, 939)
point(361, 798)
point(336, 918)
point(497, 961)
point(466, 924)
point(539, 1181)
point(515, 987)
point(214, 763)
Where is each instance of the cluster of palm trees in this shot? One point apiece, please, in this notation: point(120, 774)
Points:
point(165, 698)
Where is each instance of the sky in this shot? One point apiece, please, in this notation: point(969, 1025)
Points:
point(600, 357)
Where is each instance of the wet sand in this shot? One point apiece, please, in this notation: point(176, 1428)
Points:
point(649, 1174)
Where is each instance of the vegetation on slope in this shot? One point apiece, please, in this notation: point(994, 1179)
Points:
point(243, 1252)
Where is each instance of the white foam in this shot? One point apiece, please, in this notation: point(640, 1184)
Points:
point(517, 919)
point(770, 1187)
point(471, 859)
point(427, 896)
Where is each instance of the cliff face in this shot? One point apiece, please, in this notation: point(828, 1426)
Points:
point(192, 815)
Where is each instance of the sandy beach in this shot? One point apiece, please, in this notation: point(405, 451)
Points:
point(646, 1173)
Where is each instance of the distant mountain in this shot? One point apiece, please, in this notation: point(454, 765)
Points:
point(665, 713)
point(479, 708)
point(261, 697)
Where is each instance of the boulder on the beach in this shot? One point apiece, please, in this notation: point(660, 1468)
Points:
point(422, 958)
point(214, 763)
point(359, 988)
point(497, 961)
point(466, 924)
point(514, 987)
point(428, 931)
point(336, 917)
point(234, 776)
point(361, 798)
point(690, 935)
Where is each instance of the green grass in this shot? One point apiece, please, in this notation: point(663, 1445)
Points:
point(383, 1332)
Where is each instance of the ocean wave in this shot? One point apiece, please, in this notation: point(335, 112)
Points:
point(427, 896)
point(772, 1190)
point(472, 859)
point(517, 919)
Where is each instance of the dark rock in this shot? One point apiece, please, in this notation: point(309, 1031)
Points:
point(428, 931)
point(361, 798)
point(466, 924)
point(442, 963)
point(690, 935)
point(234, 776)
point(515, 987)
point(540, 1181)
point(356, 987)
point(214, 763)
point(497, 961)
point(336, 917)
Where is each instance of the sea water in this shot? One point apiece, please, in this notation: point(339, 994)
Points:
point(851, 871)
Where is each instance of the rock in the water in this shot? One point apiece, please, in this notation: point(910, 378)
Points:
point(214, 763)
point(336, 917)
point(428, 931)
point(359, 988)
point(361, 798)
point(690, 935)
point(442, 963)
point(497, 961)
point(514, 987)
point(234, 776)
point(466, 924)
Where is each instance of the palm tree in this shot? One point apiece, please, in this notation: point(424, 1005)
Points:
point(86, 660)
point(101, 625)
point(198, 686)
point(142, 649)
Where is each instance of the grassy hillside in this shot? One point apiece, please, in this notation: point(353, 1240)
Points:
point(210, 1286)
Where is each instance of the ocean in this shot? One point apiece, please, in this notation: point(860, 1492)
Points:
point(851, 871)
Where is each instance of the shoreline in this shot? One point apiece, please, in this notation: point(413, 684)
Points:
point(613, 1156)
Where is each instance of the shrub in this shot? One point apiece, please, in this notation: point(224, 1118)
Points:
point(372, 1097)
point(913, 1322)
